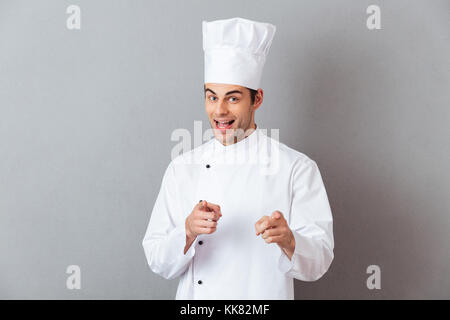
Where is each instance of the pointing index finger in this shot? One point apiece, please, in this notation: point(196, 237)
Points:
point(261, 225)
point(214, 207)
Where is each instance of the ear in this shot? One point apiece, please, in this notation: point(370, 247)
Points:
point(258, 99)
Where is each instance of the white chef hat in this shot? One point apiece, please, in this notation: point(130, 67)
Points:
point(235, 51)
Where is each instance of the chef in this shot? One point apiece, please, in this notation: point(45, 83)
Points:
point(242, 215)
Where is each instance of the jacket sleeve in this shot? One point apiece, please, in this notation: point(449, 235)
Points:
point(311, 223)
point(165, 238)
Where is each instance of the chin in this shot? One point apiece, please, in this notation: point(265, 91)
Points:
point(225, 138)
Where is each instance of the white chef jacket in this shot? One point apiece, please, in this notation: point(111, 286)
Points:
point(248, 179)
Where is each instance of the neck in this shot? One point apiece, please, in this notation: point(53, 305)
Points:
point(236, 138)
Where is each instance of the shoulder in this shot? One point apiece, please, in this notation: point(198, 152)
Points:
point(289, 156)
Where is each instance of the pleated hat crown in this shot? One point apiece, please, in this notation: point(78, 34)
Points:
point(235, 51)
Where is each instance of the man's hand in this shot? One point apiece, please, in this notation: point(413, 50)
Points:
point(275, 229)
point(202, 220)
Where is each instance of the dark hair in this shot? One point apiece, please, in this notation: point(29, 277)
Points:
point(253, 94)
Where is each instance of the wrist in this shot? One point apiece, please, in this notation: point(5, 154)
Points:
point(189, 235)
point(290, 247)
point(190, 238)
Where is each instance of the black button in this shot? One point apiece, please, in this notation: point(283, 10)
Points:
point(208, 166)
point(199, 282)
point(200, 242)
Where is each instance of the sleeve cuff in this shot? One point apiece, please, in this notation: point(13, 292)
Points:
point(179, 242)
point(284, 263)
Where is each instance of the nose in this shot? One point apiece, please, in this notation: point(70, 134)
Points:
point(221, 108)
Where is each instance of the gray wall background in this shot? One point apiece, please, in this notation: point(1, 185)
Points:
point(86, 118)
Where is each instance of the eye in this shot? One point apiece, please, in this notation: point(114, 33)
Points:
point(232, 99)
point(212, 98)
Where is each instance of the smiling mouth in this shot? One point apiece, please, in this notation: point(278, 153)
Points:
point(224, 124)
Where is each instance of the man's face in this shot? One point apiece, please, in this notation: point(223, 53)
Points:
point(230, 111)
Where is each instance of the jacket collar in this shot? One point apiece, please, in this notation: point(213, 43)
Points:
point(244, 145)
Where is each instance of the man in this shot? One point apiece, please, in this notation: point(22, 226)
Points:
point(234, 218)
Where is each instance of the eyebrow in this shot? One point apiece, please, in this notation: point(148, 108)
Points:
point(228, 93)
point(234, 91)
